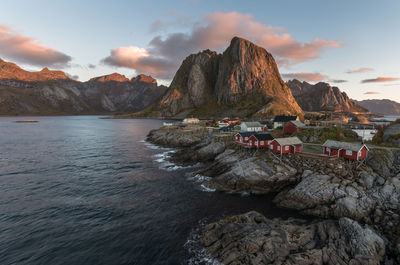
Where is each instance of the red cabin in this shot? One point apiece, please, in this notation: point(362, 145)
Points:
point(286, 145)
point(260, 140)
point(242, 138)
point(353, 151)
point(292, 127)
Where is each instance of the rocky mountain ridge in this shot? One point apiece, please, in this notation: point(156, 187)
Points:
point(322, 97)
point(243, 81)
point(380, 106)
point(49, 92)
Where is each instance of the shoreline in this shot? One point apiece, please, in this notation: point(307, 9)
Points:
point(368, 196)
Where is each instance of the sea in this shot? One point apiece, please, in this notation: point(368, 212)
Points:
point(368, 134)
point(86, 190)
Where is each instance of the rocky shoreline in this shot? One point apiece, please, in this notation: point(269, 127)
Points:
point(358, 203)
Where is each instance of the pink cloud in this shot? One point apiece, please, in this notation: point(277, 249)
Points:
point(19, 48)
point(380, 79)
point(371, 93)
point(215, 32)
point(304, 76)
point(360, 70)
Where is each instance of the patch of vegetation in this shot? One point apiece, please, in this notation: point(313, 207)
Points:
point(326, 133)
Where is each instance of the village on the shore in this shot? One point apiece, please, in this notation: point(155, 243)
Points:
point(281, 136)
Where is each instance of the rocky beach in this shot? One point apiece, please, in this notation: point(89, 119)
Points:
point(354, 208)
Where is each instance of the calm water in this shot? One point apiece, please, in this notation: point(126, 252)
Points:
point(84, 190)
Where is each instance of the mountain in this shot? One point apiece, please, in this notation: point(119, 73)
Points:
point(322, 97)
point(381, 106)
point(243, 81)
point(50, 92)
point(12, 71)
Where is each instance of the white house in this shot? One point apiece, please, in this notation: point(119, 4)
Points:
point(191, 120)
point(253, 126)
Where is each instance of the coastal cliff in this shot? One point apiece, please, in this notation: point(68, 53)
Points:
point(357, 203)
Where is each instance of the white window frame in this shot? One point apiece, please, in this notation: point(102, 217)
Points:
point(262, 143)
point(279, 148)
point(349, 152)
point(286, 148)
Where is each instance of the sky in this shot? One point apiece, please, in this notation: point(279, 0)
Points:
point(350, 44)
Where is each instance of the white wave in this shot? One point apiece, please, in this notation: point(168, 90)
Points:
point(207, 189)
point(197, 251)
point(199, 178)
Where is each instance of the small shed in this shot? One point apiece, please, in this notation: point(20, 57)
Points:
point(251, 126)
point(353, 151)
point(286, 145)
point(292, 127)
point(242, 138)
point(280, 120)
point(260, 140)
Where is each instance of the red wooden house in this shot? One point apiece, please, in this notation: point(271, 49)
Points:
point(242, 138)
point(353, 151)
point(260, 140)
point(286, 145)
point(292, 127)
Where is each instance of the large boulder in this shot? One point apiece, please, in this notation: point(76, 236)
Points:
point(251, 238)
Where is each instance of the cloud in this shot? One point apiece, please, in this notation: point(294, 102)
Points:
point(371, 93)
point(22, 49)
point(91, 66)
point(338, 81)
point(138, 59)
point(360, 70)
point(380, 79)
point(165, 53)
point(303, 76)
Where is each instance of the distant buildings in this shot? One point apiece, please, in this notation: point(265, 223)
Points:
point(191, 120)
point(280, 120)
point(253, 126)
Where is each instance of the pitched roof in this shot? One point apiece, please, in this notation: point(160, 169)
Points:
point(285, 118)
point(288, 141)
point(252, 124)
point(246, 134)
point(343, 145)
point(263, 136)
point(298, 124)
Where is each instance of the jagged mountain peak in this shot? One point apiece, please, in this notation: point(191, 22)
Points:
point(322, 97)
point(9, 70)
point(144, 78)
point(115, 77)
point(242, 81)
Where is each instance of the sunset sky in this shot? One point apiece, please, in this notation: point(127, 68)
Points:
point(351, 44)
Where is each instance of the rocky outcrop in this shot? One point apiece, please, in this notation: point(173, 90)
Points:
point(172, 136)
point(52, 93)
point(235, 170)
point(380, 106)
point(243, 81)
point(253, 239)
point(322, 97)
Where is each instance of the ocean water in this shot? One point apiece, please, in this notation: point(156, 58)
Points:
point(84, 190)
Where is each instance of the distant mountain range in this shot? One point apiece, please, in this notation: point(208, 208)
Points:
point(381, 106)
point(243, 81)
point(50, 92)
point(322, 97)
